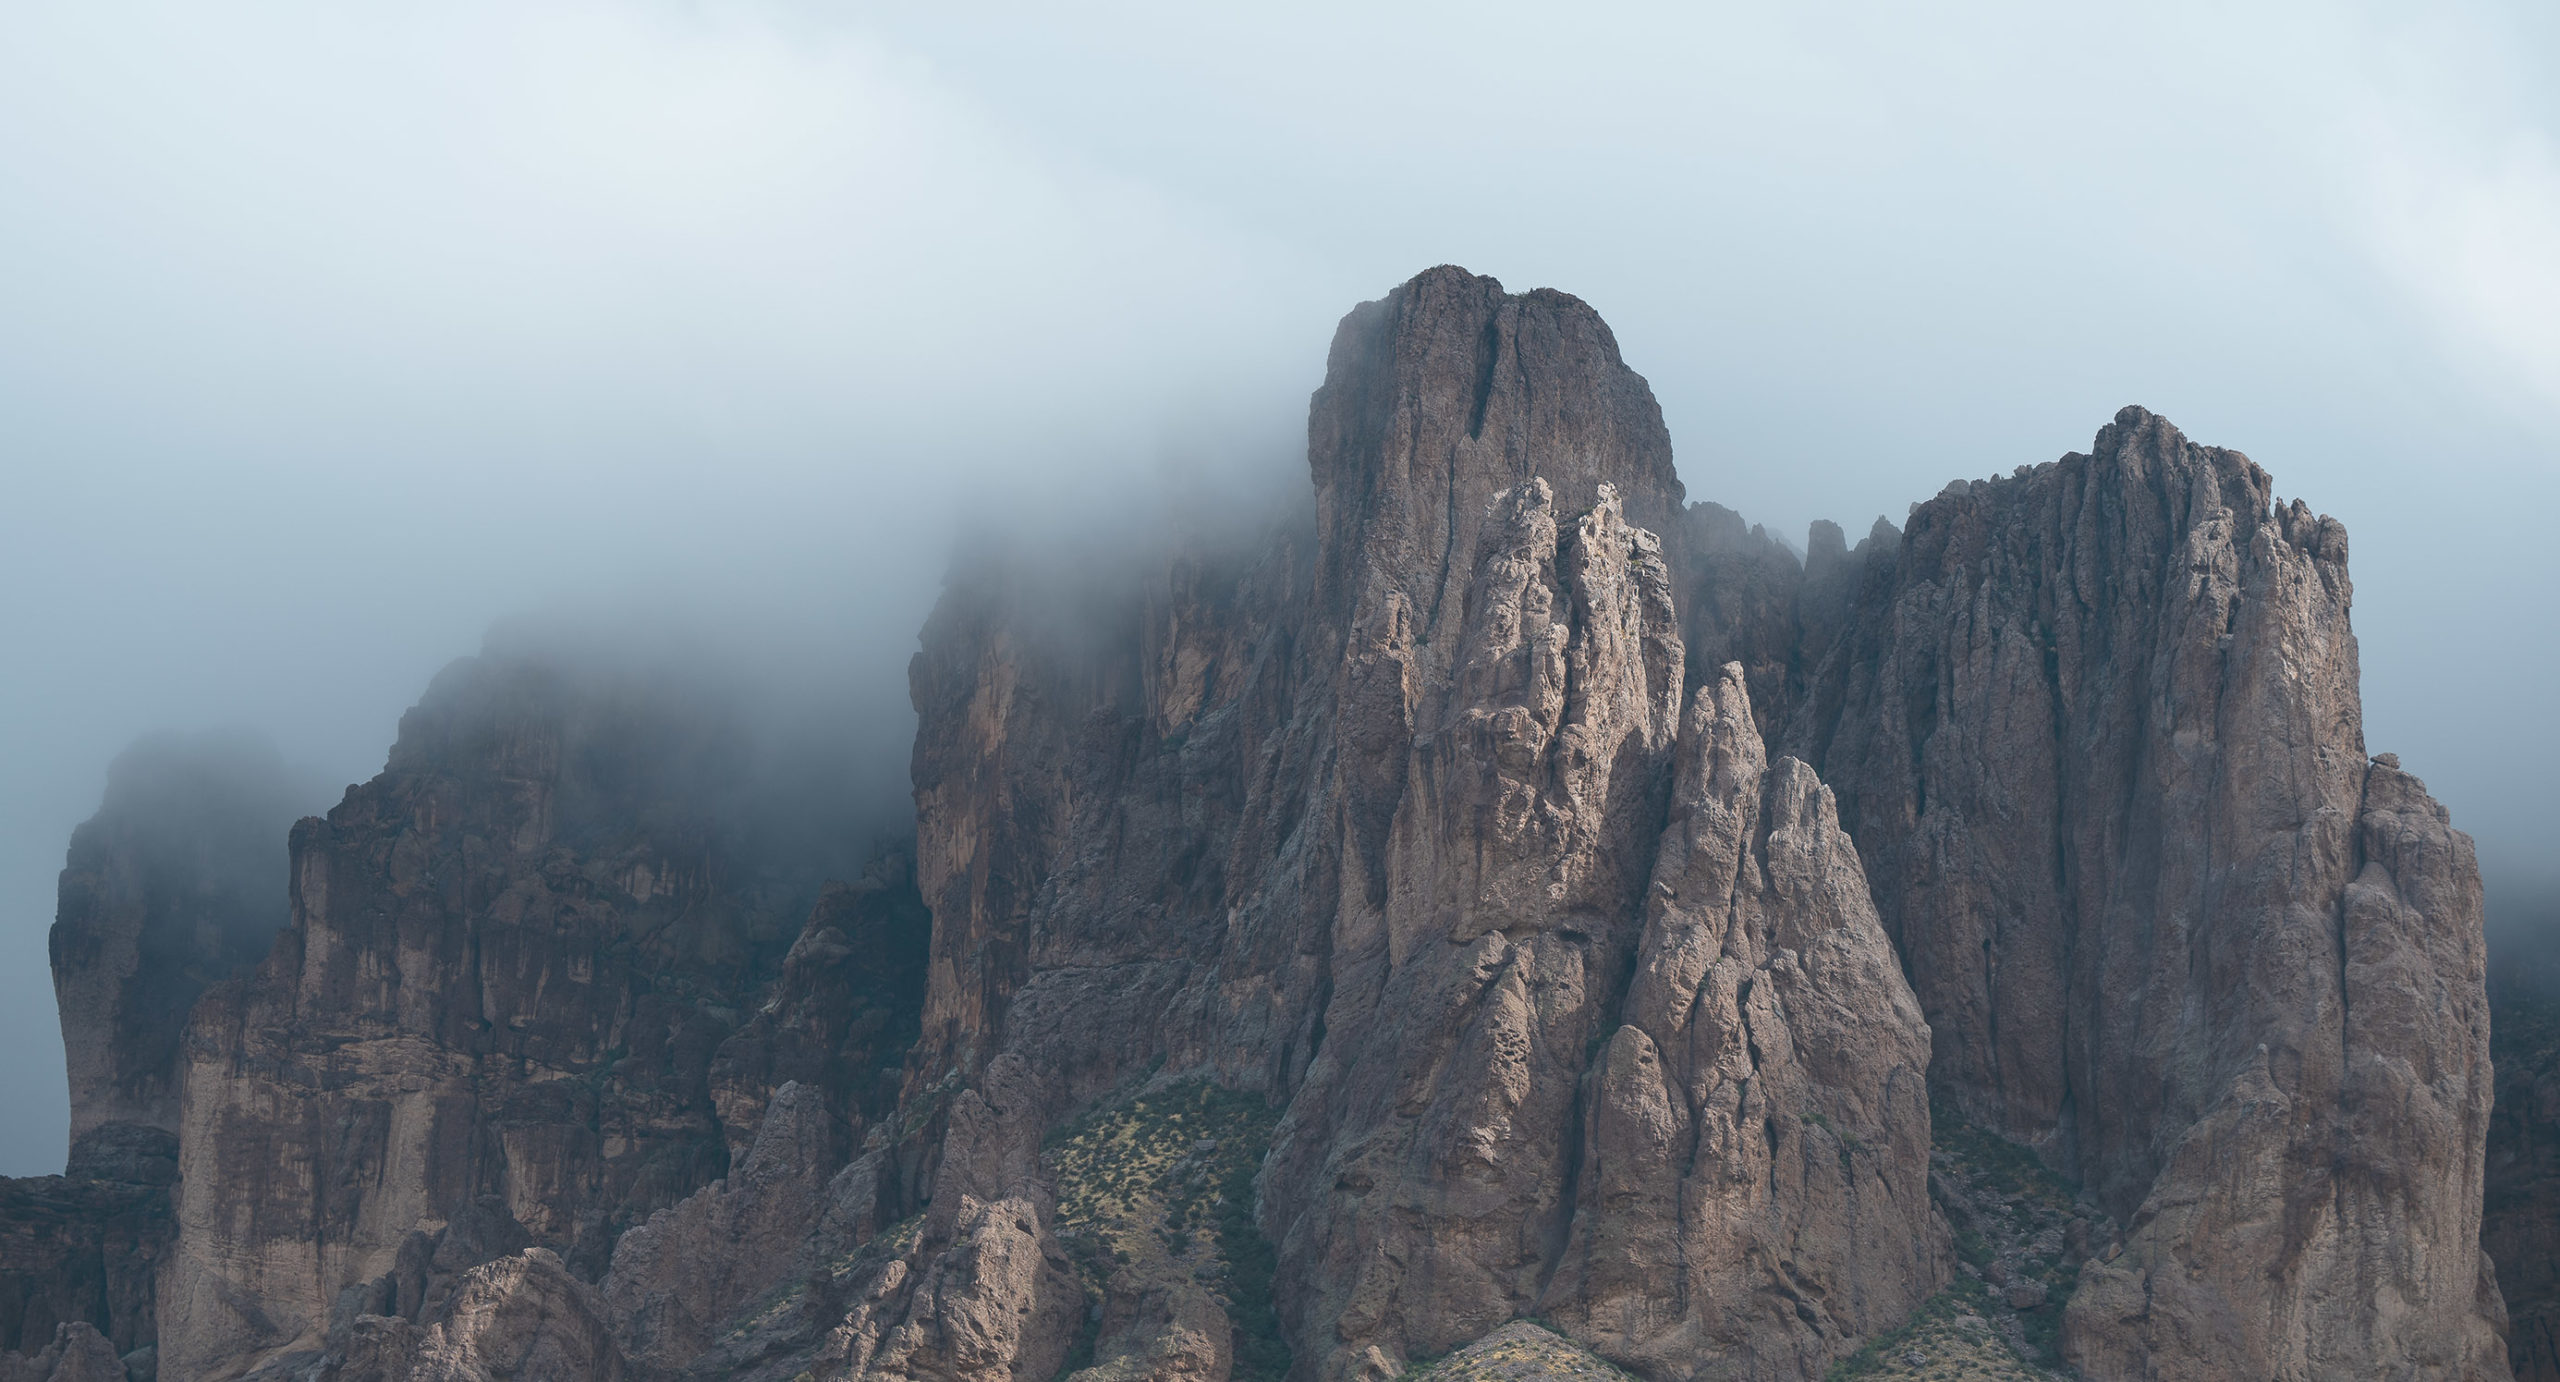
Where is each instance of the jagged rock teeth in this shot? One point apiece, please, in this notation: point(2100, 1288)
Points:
point(1753, 1183)
point(1396, 849)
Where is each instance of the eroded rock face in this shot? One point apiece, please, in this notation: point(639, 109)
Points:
point(1754, 1181)
point(492, 1023)
point(521, 1316)
point(1365, 822)
point(75, 1250)
point(177, 882)
point(678, 1277)
point(2096, 730)
point(76, 1353)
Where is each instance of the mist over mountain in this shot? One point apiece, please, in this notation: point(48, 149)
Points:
point(334, 339)
point(682, 651)
point(1519, 908)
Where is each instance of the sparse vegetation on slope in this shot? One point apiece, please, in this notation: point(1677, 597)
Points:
point(2021, 1233)
point(1159, 1187)
point(1520, 1351)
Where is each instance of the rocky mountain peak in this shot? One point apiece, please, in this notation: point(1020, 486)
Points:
point(1516, 894)
point(1449, 391)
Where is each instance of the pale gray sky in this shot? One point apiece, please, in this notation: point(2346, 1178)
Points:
point(331, 333)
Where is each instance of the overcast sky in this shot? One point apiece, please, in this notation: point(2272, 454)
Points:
point(330, 333)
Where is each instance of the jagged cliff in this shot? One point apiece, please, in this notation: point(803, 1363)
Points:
point(514, 1013)
point(2096, 729)
point(1501, 890)
point(174, 885)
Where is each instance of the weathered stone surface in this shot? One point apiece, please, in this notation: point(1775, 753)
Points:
point(80, 1251)
point(76, 1353)
point(1754, 1180)
point(1742, 598)
point(2097, 732)
point(683, 1273)
point(842, 1014)
point(516, 1319)
point(2081, 721)
point(491, 1023)
point(1436, 1132)
point(177, 882)
point(1519, 1352)
point(797, 1088)
point(1364, 823)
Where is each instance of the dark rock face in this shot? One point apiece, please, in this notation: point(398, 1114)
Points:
point(1581, 897)
point(177, 882)
point(514, 961)
point(76, 1353)
point(843, 1012)
point(2520, 1220)
point(2096, 730)
point(79, 1251)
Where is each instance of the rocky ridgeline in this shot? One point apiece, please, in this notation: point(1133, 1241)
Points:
point(1501, 892)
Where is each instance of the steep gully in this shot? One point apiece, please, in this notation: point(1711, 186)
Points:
point(1595, 896)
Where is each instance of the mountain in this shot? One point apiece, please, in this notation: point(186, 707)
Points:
point(1499, 890)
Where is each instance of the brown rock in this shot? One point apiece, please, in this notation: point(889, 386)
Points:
point(77, 1353)
point(178, 881)
point(1444, 820)
point(1753, 1186)
point(79, 1251)
point(842, 1014)
point(1366, 822)
point(491, 1023)
point(519, 1317)
point(2098, 736)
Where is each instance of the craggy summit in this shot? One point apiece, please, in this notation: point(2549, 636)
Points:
point(1506, 919)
